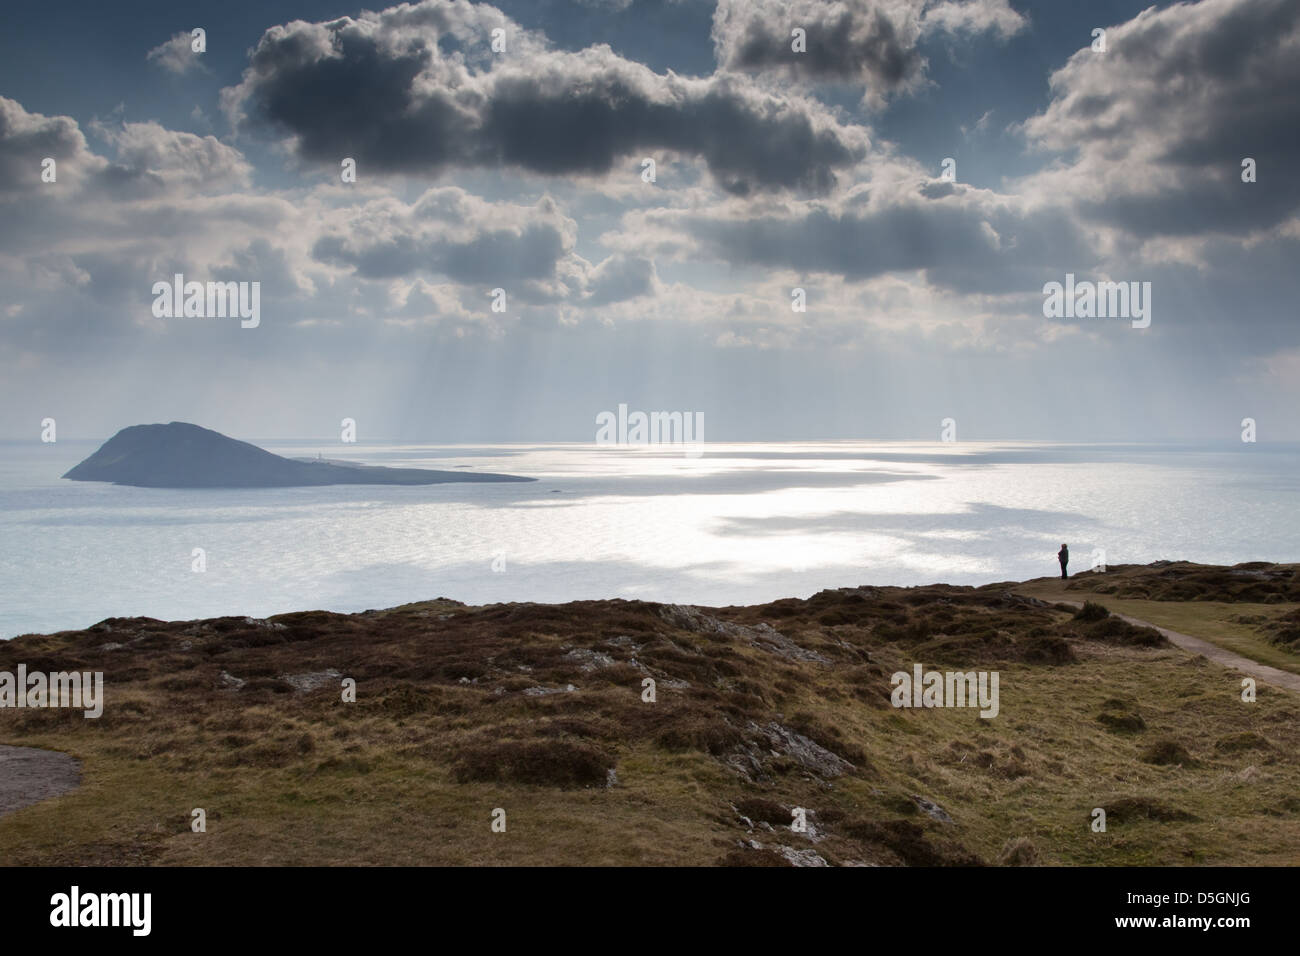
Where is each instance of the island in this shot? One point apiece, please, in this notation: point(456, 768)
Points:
point(181, 455)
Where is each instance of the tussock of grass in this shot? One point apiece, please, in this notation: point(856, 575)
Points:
point(1240, 742)
point(1114, 630)
point(546, 763)
point(1091, 611)
point(1167, 752)
point(763, 810)
point(760, 857)
point(1122, 721)
point(1019, 852)
point(1130, 809)
point(1283, 630)
point(909, 843)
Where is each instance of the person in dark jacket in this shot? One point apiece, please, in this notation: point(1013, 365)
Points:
point(1064, 557)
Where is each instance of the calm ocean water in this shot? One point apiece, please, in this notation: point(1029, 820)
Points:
point(742, 524)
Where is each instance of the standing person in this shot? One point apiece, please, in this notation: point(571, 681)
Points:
point(1064, 557)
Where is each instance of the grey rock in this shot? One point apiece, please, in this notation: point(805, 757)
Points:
point(767, 638)
point(589, 660)
point(260, 622)
point(762, 636)
point(311, 680)
point(801, 857)
point(808, 753)
point(747, 760)
point(931, 808)
point(793, 856)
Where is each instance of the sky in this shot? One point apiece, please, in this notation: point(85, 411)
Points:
point(524, 168)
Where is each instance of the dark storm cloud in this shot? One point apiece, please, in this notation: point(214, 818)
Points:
point(869, 42)
point(873, 42)
point(1156, 127)
point(963, 239)
point(385, 89)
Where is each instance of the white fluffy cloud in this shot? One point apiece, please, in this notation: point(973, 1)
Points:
point(176, 55)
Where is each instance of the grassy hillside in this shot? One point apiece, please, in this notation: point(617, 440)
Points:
point(1251, 609)
point(538, 710)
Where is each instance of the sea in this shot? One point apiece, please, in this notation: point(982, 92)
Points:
point(737, 524)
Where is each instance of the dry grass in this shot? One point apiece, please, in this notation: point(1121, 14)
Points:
point(1249, 609)
point(462, 710)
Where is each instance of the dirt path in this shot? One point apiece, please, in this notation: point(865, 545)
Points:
point(28, 776)
point(1197, 645)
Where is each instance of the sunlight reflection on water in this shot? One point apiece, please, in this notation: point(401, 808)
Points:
point(743, 524)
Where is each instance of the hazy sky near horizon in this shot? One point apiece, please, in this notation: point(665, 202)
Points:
point(774, 170)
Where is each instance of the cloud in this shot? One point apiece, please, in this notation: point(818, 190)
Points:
point(81, 256)
point(27, 139)
point(171, 159)
point(81, 253)
point(470, 241)
point(448, 232)
point(960, 238)
point(149, 160)
point(415, 89)
point(977, 128)
point(522, 170)
point(176, 55)
point(620, 278)
point(871, 42)
point(975, 16)
point(1155, 129)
